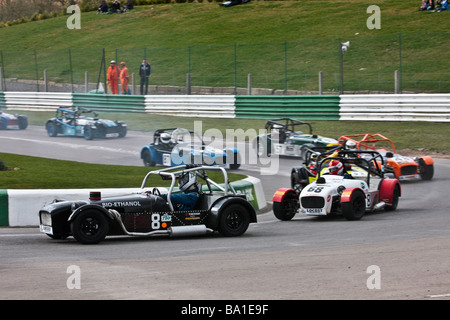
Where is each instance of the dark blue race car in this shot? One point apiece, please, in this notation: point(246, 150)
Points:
point(75, 123)
point(179, 146)
point(13, 120)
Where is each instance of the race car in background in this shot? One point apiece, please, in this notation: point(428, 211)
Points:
point(179, 146)
point(283, 137)
point(13, 120)
point(346, 193)
point(402, 167)
point(75, 123)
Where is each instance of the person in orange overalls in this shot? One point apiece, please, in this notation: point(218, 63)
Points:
point(124, 78)
point(113, 73)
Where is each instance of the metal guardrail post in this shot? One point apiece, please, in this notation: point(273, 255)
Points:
point(86, 82)
point(249, 84)
point(320, 83)
point(397, 82)
point(1, 79)
point(188, 83)
point(45, 81)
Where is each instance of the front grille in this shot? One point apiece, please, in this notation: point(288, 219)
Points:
point(406, 170)
point(312, 202)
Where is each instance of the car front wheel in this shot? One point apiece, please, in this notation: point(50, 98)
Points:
point(355, 208)
point(90, 227)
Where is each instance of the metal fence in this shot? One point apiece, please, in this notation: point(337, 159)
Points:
point(368, 66)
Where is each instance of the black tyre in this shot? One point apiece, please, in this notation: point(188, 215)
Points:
point(426, 171)
point(286, 209)
point(299, 179)
point(355, 209)
point(147, 158)
point(23, 122)
point(52, 129)
point(88, 133)
point(122, 132)
point(234, 220)
point(236, 161)
point(90, 227)
point(395, 198)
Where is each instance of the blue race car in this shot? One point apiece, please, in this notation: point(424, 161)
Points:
point(179, 146)
point(73, 123)
point(15, 120)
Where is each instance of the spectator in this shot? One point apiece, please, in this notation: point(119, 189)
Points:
point(113, 73)
point(128, 5)
point(103, 8)
point(427, 5)
point(145, 70)
point(115, 8)
point(442, 5)
point(124, 78)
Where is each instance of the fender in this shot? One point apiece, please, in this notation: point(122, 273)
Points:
point(386, 189)
point(428, 160)
point(346, 195)
point(280, 193)
point(77, 211)
point(219, 205)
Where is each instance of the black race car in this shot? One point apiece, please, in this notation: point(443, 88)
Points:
point(76, 122)
point(146, 213)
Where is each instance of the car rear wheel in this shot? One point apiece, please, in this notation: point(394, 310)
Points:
point(23, 122)
point(88, 133)
point(147, 158)
point(394, 203)
point(287, 208)
point(426, 171)
point(355, 209)
point(90, 227)
point(52, 130)
point(234, 220)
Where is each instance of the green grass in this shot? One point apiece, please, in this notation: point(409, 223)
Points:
point(212, 42)
point(26, 172)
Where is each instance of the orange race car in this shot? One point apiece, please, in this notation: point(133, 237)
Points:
point(403, 167)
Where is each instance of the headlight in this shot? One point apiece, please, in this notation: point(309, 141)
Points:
point(46, 219)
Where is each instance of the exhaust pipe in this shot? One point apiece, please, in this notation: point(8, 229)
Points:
point(179, 231)
point(182, 231)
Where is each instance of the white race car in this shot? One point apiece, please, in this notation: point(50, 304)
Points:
point(345, 193)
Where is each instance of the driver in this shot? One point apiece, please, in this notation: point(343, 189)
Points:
point(190, 194)
point(336, 168)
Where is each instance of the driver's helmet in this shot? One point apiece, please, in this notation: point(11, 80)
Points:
point(165, 137)
point(336, 167)
point(350, 145)
point(186, 181)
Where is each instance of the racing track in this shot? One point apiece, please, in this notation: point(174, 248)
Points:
point(306, 258)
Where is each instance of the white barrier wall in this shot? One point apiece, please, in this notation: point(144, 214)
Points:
point(396, 107)
point(215, 106)
point(37, 101)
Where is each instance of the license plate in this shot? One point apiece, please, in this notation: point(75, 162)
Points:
point(315, 211)
point(46, 229)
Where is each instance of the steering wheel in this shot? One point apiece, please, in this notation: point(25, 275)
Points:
point(156, 192)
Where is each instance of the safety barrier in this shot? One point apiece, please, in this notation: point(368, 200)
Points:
point(370, 107)
point(110, 102)
point(37, 101)
point(20, 208)
point(396, 107)
point(318, 107)
point(214, 106)
point(2, 100)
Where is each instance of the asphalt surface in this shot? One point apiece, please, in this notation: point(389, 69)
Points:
point(386, 255)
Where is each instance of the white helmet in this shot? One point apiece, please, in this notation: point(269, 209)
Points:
point(165, 137)
point(350, 145)
point(187, 180)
